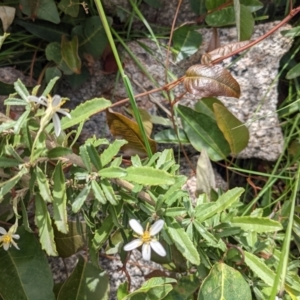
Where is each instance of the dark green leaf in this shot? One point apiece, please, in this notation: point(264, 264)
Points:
point(59, 152)
point(198, 7)
point(293, 72)
point(103, 233)
point(154, 3)
point(69, 7)
point(25, 273)
point(43, 185)
point(85, 282)
point(69, 52)
point(80, 199)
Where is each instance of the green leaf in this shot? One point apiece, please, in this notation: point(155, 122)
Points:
point(185, 288)
point(45, 30)
point(198, 7)
point(204, 133)
point(112, 172)
point(92, 36)
point(43, 222)
point(170, 136)
point(108, 191)
point(50, 86)
point(221, 17)
point(60, 199)
point(52, 72)
point(212, 4)
point(43, 9)
point(6, 162)
point(43, 185)
point(85, 282)
point(205, 106)
point(112, 150)
point(149, 176)
point(293, 72)
point(21, 89)
point(6, 186)
point(205, 211)
point(183, 243)
point(93, 156)
point(154, 288)
point(235, 132)
point(73, 241)
point(69, 7)
point(186, 41)
point(246, 23)
point(80, 199)
point(293, 32)
point(226, 283)
point(103, 233)
point(252, 5)
point(85, 157)
point(98, 193)
point(259, 268)
point(53, 52)
point(83, 111)
point(59, 152)
point(256, 224)
point(25, 273)
point(21, 121)
point(69, 52)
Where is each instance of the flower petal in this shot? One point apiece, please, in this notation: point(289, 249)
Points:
point(133, 245)
point(62, 111)
point(56, 124)
point(15, 244)
point(2, 230)
point(158, 248)
point(136, 226)
point(156, 227)
point(16, 236)
point(146, 251)
point(56, 100)
point(6, 246)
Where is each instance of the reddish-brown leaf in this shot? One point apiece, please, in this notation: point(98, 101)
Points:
point(211, 81)
point(125, 128)
point(207, 58)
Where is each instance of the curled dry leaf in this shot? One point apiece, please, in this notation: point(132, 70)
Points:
point(7, 15)
point(124, 128)
point(211, 81)
point(207, 58)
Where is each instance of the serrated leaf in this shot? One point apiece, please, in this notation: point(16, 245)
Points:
point(207, 210)
point(43, 222)
point(108, 191)
point(7, 15)
point(98, 193)
point(85, 282)
point(50, 86)
point(21, 89)
point(18, 281)
point(204, 133)
point(94, 156)
point(226, 283)
point(256, 224)
point(80, 199)
point(6, 162)
point(112, 150)
point(207, 58)
point(211, 81)
point(70, 243)
point(125, 128)
point(183, 243)
point(85, 157)
point(43, 184)
point(102, 233)
point(60, 199)
point(235, 132)
point(69, 52)
point(149, 176)
point(112, 172)
point(186, 41)
point(83, 111)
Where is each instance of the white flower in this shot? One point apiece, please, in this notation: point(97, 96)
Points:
point(53, 105)
point(146, 238)
point(7, 238)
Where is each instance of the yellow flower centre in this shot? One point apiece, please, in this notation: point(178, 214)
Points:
point(6, 239)
point(146, 237)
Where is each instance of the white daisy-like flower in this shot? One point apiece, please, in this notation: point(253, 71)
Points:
point(6, 240)
point(53, 105)
point(146, 238)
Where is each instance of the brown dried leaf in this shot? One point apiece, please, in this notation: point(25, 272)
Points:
point(211, 81)
point(207, 58)
point(124, 128)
